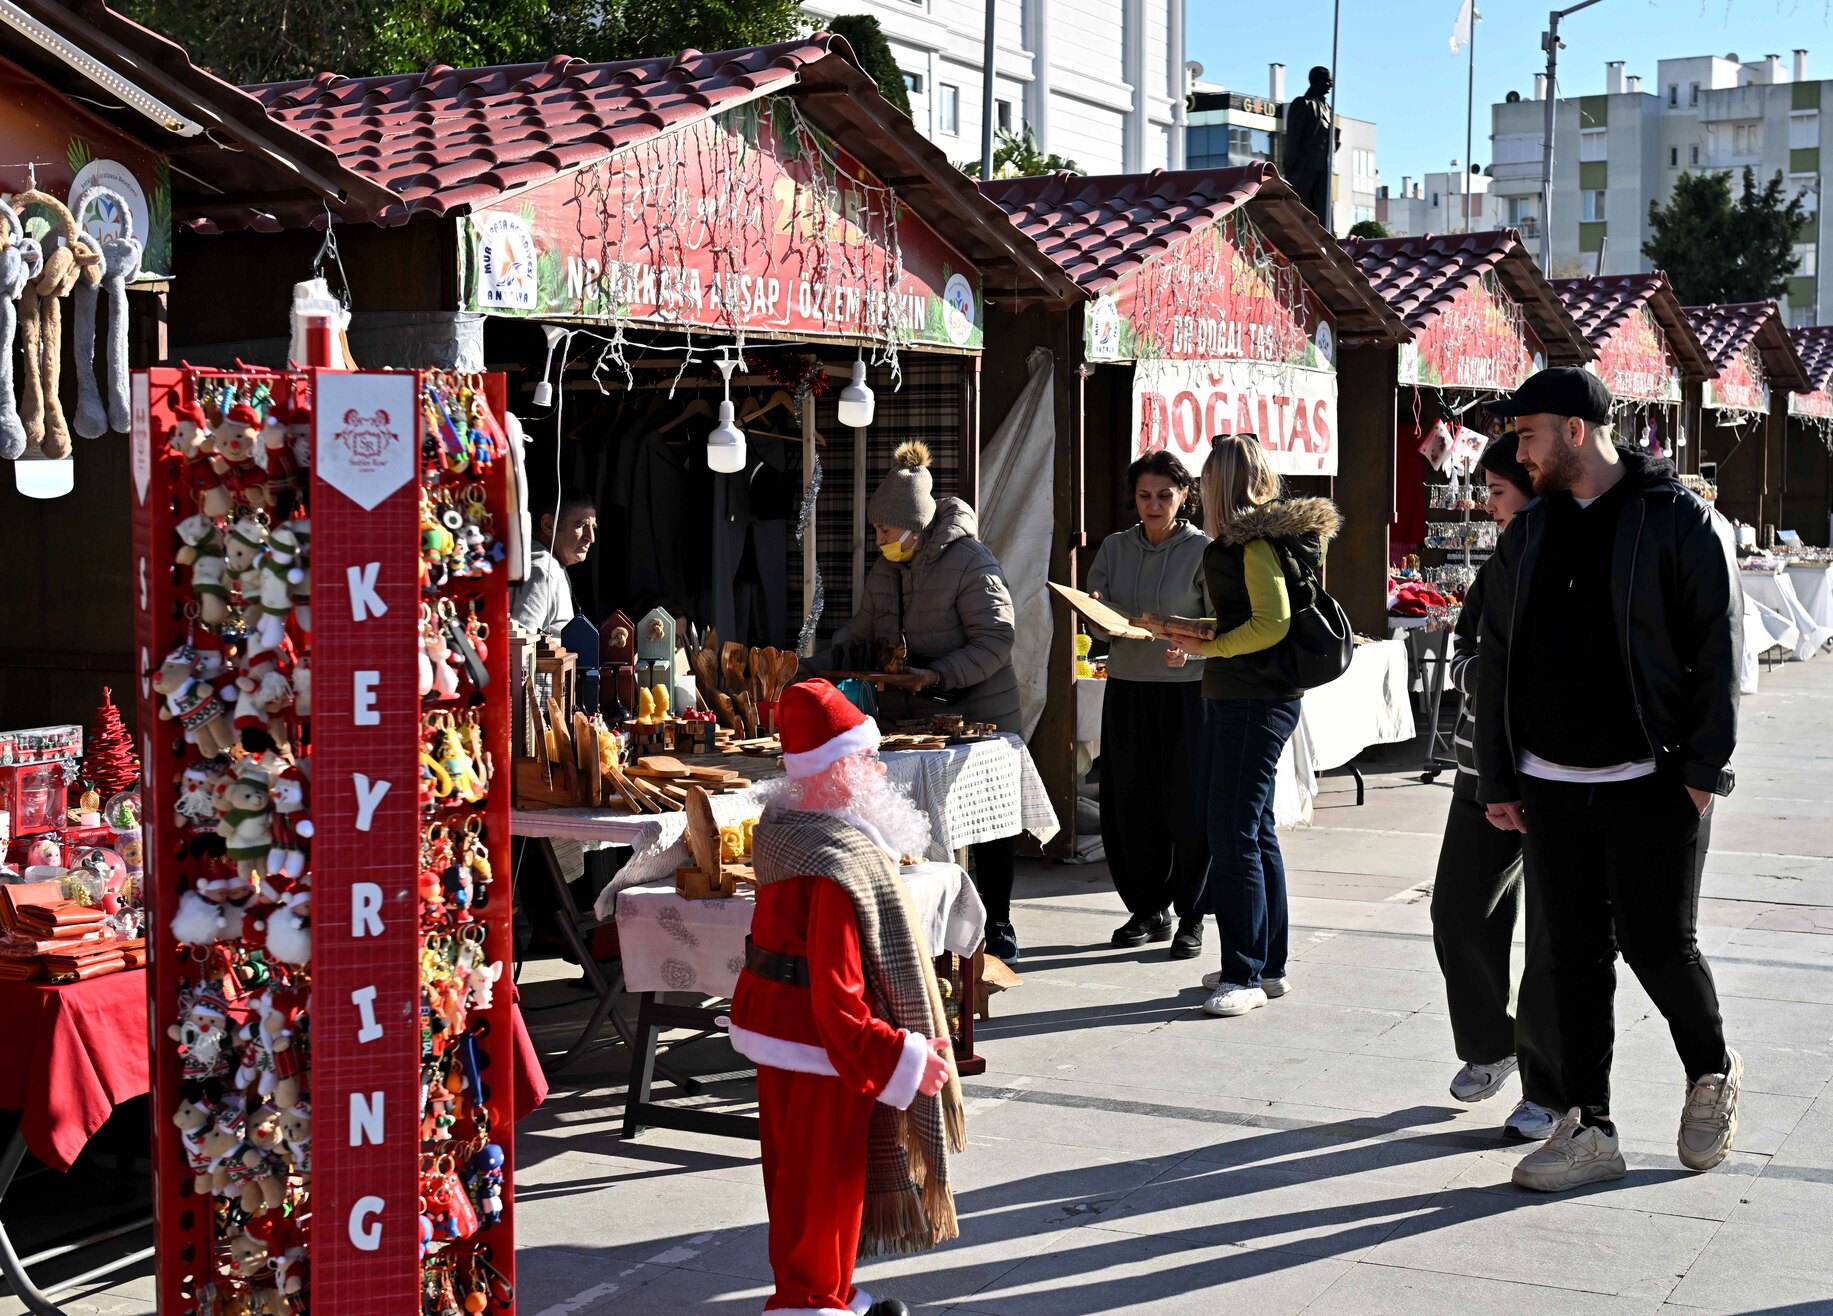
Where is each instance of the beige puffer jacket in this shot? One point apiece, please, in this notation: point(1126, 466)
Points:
point(956, 616)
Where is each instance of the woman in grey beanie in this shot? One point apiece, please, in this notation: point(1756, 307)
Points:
point(940, 591)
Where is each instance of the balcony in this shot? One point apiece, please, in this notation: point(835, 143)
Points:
point(1729, 104)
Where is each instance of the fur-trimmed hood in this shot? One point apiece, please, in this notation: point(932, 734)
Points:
point(1284, 518)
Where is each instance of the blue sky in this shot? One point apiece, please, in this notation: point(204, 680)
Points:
point(1396, 66)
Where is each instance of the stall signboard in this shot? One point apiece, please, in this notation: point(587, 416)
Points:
point(1636, 363)
point(1178, 406)
point(1222, 294)
point(749, 221)
point(109, 179)
point(1740, 385)
point(1817, 405)
point(1480, 341)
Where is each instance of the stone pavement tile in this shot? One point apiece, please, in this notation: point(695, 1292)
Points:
point(1531, 1239)
point(1105, 1117)
point(558, 1282)
point(1402, 990)
point(663, 1292)
point(1768, 980)
point(579, 1201)
point(1302, 1020)
point(1094, 1272)
point(1787, 1023)
point(1751, 1268)
point(1647, 1115)
point(1656, 1184)
point(1407, 856)
point(1646, 1052)
point(1809, 1144)
point(1362, 1081)
point(1422, 1035)
point(1787, 1197)
point(1375, 948)
point(1380, 1290)
point(1199, 1053)
point(1340, 887)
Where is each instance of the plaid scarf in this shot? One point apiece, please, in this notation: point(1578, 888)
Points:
point(909, 1204)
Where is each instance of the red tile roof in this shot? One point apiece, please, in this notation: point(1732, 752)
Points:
point(1420, 276)
point(1602, 305)
point(1104, 229)
point(1726, 330)
point(1815, 347)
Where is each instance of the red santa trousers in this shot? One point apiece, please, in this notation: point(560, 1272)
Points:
point(814, 1133)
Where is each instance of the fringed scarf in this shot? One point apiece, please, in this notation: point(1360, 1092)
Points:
point(909, 1204)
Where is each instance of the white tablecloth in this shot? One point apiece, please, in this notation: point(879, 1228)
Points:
point(1776, 590)
point(1091, 698)
point(673, 945)
point(1814, 587)
point(1764, 629)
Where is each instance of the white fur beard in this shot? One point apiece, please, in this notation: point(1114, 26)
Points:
point(855, 785)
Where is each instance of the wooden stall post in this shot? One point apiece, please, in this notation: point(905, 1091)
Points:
point(859, 514)
point(1358, 562)
point(810, 545)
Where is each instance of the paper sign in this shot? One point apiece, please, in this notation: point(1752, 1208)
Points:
point(140, 436)
point(367, 440)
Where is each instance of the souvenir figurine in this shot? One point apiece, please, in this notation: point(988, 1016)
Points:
point(201, 922)
point(203, 552)
point(234, 444)
point(242, 548)
point(292, 823)
point(202, 1033)
point(296, 1132)
point(484, 1180)
point(244, 820)
point(193, 702)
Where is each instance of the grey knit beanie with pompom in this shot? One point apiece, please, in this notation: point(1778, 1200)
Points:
point(903, 501)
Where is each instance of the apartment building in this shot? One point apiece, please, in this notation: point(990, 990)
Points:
point(1227, 128)
point(1614, 152)
point(1435, 204)
point(1101, 82)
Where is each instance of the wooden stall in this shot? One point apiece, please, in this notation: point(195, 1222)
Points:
point(1805, 499)
point(1744, 408)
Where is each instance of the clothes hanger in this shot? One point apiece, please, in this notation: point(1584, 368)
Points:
point(698, 407)
point(780, 398)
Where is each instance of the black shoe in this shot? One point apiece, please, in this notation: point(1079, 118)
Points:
point(888, 1307)
point(1002, 942)
point(1188, 943)
point(1141, 928)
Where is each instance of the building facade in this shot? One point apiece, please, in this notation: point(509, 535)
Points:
point(1100, 82)
point(1435, 204)
point(1615, 152)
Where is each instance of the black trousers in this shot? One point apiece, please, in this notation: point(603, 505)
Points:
point(1477, 896)
point(1618, 867)
point(995, 866)
point(1152, 814)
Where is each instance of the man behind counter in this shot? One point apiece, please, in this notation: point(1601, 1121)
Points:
point(564, 534)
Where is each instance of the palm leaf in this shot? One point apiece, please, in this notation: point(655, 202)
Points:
point(79, 155)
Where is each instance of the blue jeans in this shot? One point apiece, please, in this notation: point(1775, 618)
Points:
point(1247, 876)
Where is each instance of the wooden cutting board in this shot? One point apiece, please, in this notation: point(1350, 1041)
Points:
point(1108, 619)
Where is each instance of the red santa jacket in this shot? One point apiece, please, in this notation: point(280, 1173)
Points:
point(826, 1027)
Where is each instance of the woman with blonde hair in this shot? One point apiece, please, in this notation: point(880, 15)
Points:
point(1263, 563)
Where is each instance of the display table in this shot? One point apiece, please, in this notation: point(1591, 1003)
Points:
point(1091, 697)
point(1813, 582)
point(1765, 631)
point(1776, 590)
point(674, 945)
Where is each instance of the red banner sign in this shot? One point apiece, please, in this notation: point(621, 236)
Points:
point(365, 901)
point(1480, 341)
point(1222, 294)
point(1740, 385)
point(1818, 404)
point(1636, 363)
point(1180, 405)
point(751, 221)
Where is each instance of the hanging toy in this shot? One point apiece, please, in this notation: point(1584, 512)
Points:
point(292, 823)
point(91, 415)
point(242, 553)
point(193, 702)
point(121, 256)
point(273, 602)
point(484, 1180)
point(235, 443)
point(19, 256)
point(245, 821)
point(203, 552)
point(42, 328)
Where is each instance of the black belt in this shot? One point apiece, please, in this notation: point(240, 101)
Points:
point(791, 970)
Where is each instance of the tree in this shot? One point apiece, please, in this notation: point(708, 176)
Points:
point(1369, 228)
point(1715, 249)
point(867, 39)
point(110, 764)
point(1016, 156)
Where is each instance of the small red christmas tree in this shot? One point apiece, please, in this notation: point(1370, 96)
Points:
point(111, 764)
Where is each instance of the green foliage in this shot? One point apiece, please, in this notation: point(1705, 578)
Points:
point(867, 39)
point(158, 254)
point(1716, 249)
point(79, 155)
point(249, 41)
point(1015, 155)
point(1368, 228)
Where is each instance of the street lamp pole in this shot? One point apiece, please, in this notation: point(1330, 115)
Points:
point(1549, 41)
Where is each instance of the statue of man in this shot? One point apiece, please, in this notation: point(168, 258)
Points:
point(1310, 141)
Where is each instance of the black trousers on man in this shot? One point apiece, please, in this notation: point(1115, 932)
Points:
point(1618, 867)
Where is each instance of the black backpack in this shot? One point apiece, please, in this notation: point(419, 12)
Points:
point(1319, 642)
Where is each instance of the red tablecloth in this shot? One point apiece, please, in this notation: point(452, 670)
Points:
point(531, 1081)
point(69, 1055)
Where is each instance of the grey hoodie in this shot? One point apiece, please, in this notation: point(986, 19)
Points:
point(1135, 575)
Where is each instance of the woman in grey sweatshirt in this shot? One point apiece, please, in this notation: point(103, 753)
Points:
point(1152, 822)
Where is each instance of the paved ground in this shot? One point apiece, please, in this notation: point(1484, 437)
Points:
point(1133, 1155)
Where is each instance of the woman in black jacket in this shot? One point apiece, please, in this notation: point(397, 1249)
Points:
point(1479, 891)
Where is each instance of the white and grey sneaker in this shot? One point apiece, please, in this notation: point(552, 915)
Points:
point(1476, 1082)
point(1709, 1120)
point(1574, 1156)
point(1528, 1122)
point(1273, 987)
point(1233, 999)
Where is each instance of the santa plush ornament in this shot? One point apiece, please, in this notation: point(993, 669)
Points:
point(858, 1103)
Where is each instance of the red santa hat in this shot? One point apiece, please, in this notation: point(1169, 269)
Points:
point(820, 727)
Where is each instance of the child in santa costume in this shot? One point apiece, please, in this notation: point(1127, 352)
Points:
point(858, 1101)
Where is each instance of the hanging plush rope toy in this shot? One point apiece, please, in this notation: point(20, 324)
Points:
point(19, 259)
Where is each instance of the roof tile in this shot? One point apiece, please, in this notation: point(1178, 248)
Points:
point(1815, 344)
point(1726, 330)
point(1604, 303)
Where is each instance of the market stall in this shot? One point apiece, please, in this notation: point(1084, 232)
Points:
point(1744, 425)
point(1216, 303)
point(1805, 502)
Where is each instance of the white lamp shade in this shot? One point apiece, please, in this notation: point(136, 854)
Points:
point(44, 478)
point(856, 402)
point(725, 446)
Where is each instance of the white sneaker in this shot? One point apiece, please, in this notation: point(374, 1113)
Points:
point(1476, 1082)
point(1572, 1157)
point(1232, 999)
point(1528, 1122)
point(1273, 987)
point(1709, 1120)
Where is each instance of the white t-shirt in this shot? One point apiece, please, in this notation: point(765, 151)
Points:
point(543, 602)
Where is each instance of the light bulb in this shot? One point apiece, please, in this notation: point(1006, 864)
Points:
point(725, 446)
point(856, 402)
point(44, 478)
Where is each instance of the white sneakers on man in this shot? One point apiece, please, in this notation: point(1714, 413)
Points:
point(1528, 1122)
point(1476, 1082)
point(1273, 987)
point(1233, 999)
point(1709, 1120)
point(1575, 1155)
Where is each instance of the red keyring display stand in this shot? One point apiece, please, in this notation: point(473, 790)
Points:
point(400, 1051)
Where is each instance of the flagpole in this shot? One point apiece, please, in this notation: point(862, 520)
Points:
point(1470, 96)
point(1336, 27)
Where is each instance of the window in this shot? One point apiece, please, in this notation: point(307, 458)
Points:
point(1364, 214)
point(1803, 130)
point(913, 83)
point(1693, 95)
point(1246, 144)
point(1592, 144)
point(1801, 317)
point(1003, 115)
point(1594, 207)
point(1747, 138)
point(1808, 254)
point(1435, 200)
point(1693, 153)
point(1522, 209)
point(1673, 157)
point(1807, 187)
point(948, 109)
point(1674, 95)
point(1516, 148)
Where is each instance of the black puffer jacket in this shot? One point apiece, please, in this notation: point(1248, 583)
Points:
point(1298, 531)
point(1680, 618)
point(1464, 677)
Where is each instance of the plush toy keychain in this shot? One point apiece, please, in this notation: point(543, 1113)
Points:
point(20, 261)
point(105, 407)
point(42, 327)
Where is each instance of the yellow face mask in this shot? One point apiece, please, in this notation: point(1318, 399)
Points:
point(901, 549)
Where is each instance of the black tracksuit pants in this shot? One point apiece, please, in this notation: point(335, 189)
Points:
point(1618, 867)
point(1153, 820)
point(1477, 897)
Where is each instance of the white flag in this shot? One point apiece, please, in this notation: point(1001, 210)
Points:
point(1460, 31)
